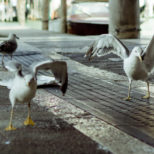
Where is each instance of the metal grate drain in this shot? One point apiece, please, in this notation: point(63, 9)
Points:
point(101, 99)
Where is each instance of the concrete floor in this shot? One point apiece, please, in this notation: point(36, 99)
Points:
point(49, 135)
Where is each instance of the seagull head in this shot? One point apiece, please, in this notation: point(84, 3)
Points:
point(137, 51)
point(13, 36)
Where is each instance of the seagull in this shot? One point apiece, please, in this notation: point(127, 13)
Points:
point(24, 86)
point(9, 46)
point(137, 64)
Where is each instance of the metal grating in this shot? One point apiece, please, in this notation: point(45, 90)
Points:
point(104, 62)
point(109, 62)
point(101, 99)
point(25, 58)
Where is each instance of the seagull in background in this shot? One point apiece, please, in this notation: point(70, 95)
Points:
point(137, 64)
point(24, 87)
point(9, 46)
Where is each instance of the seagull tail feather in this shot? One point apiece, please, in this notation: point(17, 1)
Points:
point(64, 86)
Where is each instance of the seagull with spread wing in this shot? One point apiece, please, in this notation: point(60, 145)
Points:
point(137, 64)
point(9, 46)
point(24, 87)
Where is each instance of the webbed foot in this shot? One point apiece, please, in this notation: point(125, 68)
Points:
point(146, 96)
point(127, 98)
point(29, 121)
point(10, 127)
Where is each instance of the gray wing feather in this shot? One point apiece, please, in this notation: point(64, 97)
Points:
point(58, 68)
point(148, 55)
point(35, 66)
point(106, 44)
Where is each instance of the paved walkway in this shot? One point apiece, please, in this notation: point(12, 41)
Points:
point(49, 135)
point(108, 136)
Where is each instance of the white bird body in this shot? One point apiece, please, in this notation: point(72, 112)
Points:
point(21, 90)
point(24, 87)
point(137, 64)
point(134, 68)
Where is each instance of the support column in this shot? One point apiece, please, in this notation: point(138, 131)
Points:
point(63, 16)
point(21, 11)
point(45, 15)
point(124, 18)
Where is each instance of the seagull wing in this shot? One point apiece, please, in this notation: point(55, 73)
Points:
point(8, 46)
point(7, 83)
point(58, 68)
point(148, 55)
point(106, 44)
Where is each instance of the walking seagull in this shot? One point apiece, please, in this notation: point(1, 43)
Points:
point(137, 64)
point(24, 87)
point(9, 46)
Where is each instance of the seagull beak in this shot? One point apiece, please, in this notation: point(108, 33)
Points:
point(140, 58)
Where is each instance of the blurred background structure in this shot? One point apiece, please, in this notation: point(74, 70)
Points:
point(82, 17)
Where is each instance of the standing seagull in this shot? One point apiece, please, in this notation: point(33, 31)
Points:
point(24, 87)
point(9, 46)
point(137, 64)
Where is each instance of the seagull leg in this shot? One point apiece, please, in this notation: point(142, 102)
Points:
point(148, 92)
point(29, 121)
point(128, 98)
point(11, 56)
point(10, 127)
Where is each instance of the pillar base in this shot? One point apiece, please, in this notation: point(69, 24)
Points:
point(124, 19)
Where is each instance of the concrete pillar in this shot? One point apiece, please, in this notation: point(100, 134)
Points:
point(124, 18)
point(149, 12)
point(63, 16)
point(45, 15)
point(21, 11)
